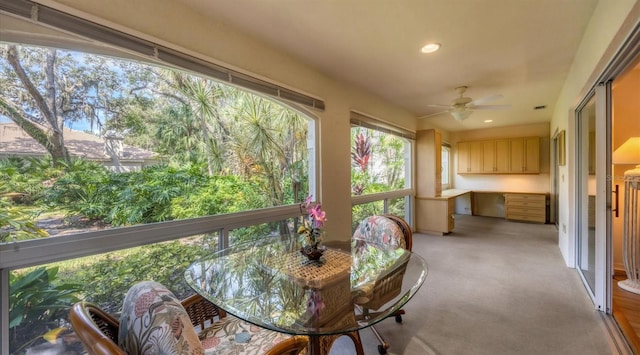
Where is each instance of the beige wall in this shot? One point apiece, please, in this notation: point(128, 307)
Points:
point(175, 26)
point(610, 24)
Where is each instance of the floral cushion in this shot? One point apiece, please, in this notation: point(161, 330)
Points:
point(153, 321)
point(382, 230)
point(234, 336)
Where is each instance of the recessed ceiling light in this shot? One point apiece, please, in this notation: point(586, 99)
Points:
point(488, 121)
point(430, 48)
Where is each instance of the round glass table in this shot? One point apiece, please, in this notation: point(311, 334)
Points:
point(269, 283)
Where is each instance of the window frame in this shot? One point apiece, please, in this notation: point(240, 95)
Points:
point(359, 119)
point(35, 252)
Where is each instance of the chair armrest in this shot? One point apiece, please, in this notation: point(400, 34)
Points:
point(97, 329)
point(201, 310)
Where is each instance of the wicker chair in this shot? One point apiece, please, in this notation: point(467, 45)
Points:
point(98, 330)
point(291, 346)
point(399, 228)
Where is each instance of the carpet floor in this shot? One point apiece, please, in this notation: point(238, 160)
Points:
point(494, 287)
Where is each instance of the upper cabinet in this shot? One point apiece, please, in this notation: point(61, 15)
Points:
point(469, 157)
point(525, 155)
point(499, 156)
point(495, 156)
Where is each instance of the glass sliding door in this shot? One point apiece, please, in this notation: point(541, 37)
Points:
point(585, 167)
point(592, 135)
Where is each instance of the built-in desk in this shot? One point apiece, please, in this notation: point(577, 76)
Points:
point(515, 206)
point(436, 214)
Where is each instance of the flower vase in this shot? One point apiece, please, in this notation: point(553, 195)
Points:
point(312, 253)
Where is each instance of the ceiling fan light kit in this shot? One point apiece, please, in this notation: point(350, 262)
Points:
point(460, 113)
point(462, 106)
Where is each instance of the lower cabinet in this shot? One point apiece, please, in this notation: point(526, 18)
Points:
point(526, 207)
point(435, 214)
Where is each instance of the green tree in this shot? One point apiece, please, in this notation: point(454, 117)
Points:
point(44, 90)
point(38, 105)
point(201, 96)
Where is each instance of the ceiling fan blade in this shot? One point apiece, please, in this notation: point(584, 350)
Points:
point(486, 99)
point(491, 107)
point(433, 114)
point(439, 105)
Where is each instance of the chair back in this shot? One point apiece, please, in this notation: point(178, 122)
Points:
point(405, 228)
point(96, 329)
point(153, 321)
point(389, 230)
point(290, 346)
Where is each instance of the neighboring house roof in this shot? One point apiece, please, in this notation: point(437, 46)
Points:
point(14, 141)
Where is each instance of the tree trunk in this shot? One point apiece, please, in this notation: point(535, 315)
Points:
point(50, 137)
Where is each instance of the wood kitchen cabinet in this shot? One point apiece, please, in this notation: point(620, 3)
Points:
point(499, 156)
point(495, 156)
point(437, 215)
point(469, 157)
point(525, 207)
point(525, 155)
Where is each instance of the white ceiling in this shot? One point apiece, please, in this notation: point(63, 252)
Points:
point(521, 49)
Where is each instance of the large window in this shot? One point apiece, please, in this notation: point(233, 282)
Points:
point(114, 142)
point(380, 166)
point(126, 168)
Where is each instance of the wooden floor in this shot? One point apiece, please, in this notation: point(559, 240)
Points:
point(626, 311)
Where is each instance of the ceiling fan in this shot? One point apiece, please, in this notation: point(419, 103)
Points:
point(462, 106)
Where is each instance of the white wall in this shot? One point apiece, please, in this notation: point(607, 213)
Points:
point(609, 25)
point(176, 26)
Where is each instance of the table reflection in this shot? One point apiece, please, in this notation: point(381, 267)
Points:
point(272, 285)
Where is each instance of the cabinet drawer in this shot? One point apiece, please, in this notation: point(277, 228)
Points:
point(526, 217)
point(525, 197)
point(526, 207)
point(525, 203)
point(537, 211)
point(525, 200)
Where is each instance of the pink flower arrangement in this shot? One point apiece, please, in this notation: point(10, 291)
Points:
point(311, 227)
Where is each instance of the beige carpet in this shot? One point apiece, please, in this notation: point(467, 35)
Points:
point(494, 287)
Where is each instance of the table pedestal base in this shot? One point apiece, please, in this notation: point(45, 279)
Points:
point(321, 344)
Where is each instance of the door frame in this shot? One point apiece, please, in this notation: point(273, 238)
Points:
point(628, 53)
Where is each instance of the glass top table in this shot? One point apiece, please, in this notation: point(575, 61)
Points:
point(272, 285)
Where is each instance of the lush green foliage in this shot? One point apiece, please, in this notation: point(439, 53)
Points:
point(84, 189)
point(107, 278)
point(26, 176)
point(377, 161)
point(217, 195)
point(377, 165)
point(37, 303)
point(153, 194)
point(16, 225)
